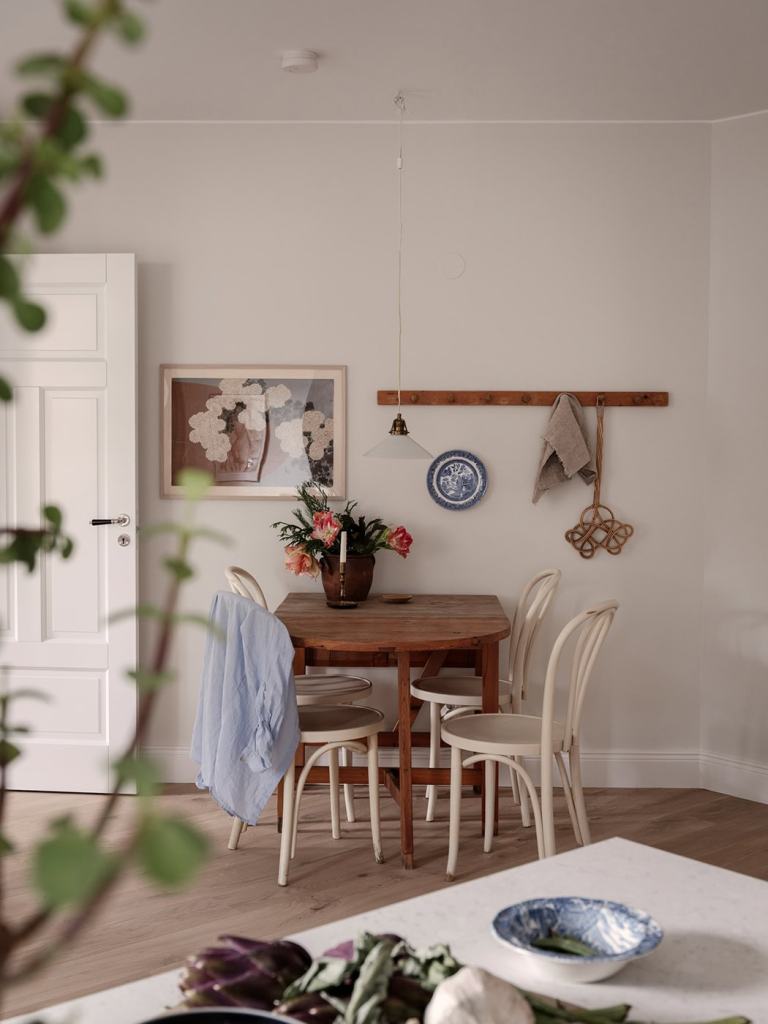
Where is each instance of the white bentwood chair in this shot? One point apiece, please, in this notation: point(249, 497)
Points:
point(506, 738)
point(324, 690)
point(330, 729)
point(464, 694)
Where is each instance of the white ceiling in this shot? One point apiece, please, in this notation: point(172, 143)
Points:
point(528, 60)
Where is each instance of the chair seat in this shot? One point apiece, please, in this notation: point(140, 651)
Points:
point(332, 689)
point(329, 723)
point(460, 691)
point(500, 734)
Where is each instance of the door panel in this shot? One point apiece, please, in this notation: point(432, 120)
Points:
point(68, 439)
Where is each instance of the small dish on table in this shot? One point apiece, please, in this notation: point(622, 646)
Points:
point(603, 937)
point(397, 598)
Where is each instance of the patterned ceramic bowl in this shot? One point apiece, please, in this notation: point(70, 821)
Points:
point(617, 933)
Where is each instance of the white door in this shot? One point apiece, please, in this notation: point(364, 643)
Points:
point(69, 439)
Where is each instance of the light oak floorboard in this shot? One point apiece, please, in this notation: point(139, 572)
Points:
point(143, 931)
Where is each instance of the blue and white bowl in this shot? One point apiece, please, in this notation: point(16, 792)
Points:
point(618, 933)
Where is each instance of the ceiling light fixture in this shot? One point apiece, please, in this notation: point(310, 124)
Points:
point(299, 62)
point(399, 444)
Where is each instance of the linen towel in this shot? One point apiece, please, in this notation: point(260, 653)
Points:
point(247, 725)
point(566, 450)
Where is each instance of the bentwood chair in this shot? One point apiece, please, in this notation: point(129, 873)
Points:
point(464, 694)
point(329, 689)
point(330, 729)
point(506, 738)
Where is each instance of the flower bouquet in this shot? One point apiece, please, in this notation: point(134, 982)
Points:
point(313, 543)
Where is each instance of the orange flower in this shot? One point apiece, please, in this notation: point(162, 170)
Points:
point(299, 561)
point(400, 540)
point(327, 527)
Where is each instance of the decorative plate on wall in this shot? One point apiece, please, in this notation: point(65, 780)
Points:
point(457, 480)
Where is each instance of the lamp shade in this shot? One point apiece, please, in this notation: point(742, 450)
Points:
point(398, 446)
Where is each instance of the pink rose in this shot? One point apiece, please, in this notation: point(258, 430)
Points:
point(300, 562)
point(400, 541)
point(326, 528)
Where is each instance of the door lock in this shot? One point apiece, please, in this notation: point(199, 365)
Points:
point(123, 540)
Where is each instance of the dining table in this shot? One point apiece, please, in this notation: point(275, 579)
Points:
point(427, 632)
point(711, 964)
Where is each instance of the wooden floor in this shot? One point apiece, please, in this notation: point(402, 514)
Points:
point(144, 931)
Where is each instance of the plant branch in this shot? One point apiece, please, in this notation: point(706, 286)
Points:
point(12, 206)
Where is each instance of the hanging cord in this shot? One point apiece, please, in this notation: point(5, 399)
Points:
point(600, 434)
point(400, 104)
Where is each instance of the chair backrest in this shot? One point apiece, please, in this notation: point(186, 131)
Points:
point(589, 629)
point(243, 583)
point(532, 606)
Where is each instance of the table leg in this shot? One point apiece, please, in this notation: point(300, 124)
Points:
point(404, 737)
point(490, 705)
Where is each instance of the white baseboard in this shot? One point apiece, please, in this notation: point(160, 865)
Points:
point(746, 779)
point(632, 769)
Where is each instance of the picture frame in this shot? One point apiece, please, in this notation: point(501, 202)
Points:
point(260, 429)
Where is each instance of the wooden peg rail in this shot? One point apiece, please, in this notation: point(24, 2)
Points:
point(626, 398)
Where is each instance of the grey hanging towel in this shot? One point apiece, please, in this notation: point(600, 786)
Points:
point(566, 450)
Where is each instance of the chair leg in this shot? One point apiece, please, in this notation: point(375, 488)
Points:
point(568, 797)
point(333, 772)
point(373, 796)
point(574, 760)
point(490, 805)
point(454, 821)
point(529, 789)
point(238, 827)
point(547, 805)
point(288, 834)
point(349, 790)
point(434, 754)
point(525, 810)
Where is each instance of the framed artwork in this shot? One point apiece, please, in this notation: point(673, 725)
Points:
point(259, 430)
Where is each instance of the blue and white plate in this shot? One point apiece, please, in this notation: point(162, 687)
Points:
point(617, 933)
point(457, 480)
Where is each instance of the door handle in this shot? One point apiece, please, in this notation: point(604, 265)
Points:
point(121, 520)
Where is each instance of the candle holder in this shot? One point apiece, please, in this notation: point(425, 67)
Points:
point(342, 602)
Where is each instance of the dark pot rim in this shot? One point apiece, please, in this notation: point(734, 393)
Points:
point(350, 556)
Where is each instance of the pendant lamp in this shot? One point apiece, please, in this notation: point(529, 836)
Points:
point(399, 444)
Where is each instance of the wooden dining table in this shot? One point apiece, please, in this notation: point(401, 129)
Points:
point(431, 631)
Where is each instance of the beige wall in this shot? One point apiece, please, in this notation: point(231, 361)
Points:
point(735, 665)
point(587, 264)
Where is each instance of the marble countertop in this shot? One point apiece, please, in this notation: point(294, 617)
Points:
point(713, 961)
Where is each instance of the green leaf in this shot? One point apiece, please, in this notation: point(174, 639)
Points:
point(140, 771)
point(67, 547)
point(47, 202)
point(147, 681)
point(129, 27)
point(79, 12)
point(37, 104)
point(194, 482)
point(53, 514)
point(93, 165)
point(72, 129)
point(170, 851)
point(8, 752)
point(178, 568)
point(6, 391)
point(6, 846)
point(107, 98)
point(29, 315)
point(41, 64)
point(70, 866)
point(9, 278)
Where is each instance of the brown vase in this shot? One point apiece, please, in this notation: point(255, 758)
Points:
point(358, 577)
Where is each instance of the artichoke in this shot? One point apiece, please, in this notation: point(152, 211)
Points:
point(242, 972)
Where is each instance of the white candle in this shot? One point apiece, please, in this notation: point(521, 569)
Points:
point(343, 556)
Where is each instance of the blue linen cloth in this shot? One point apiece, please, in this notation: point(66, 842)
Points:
point(247, 724)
